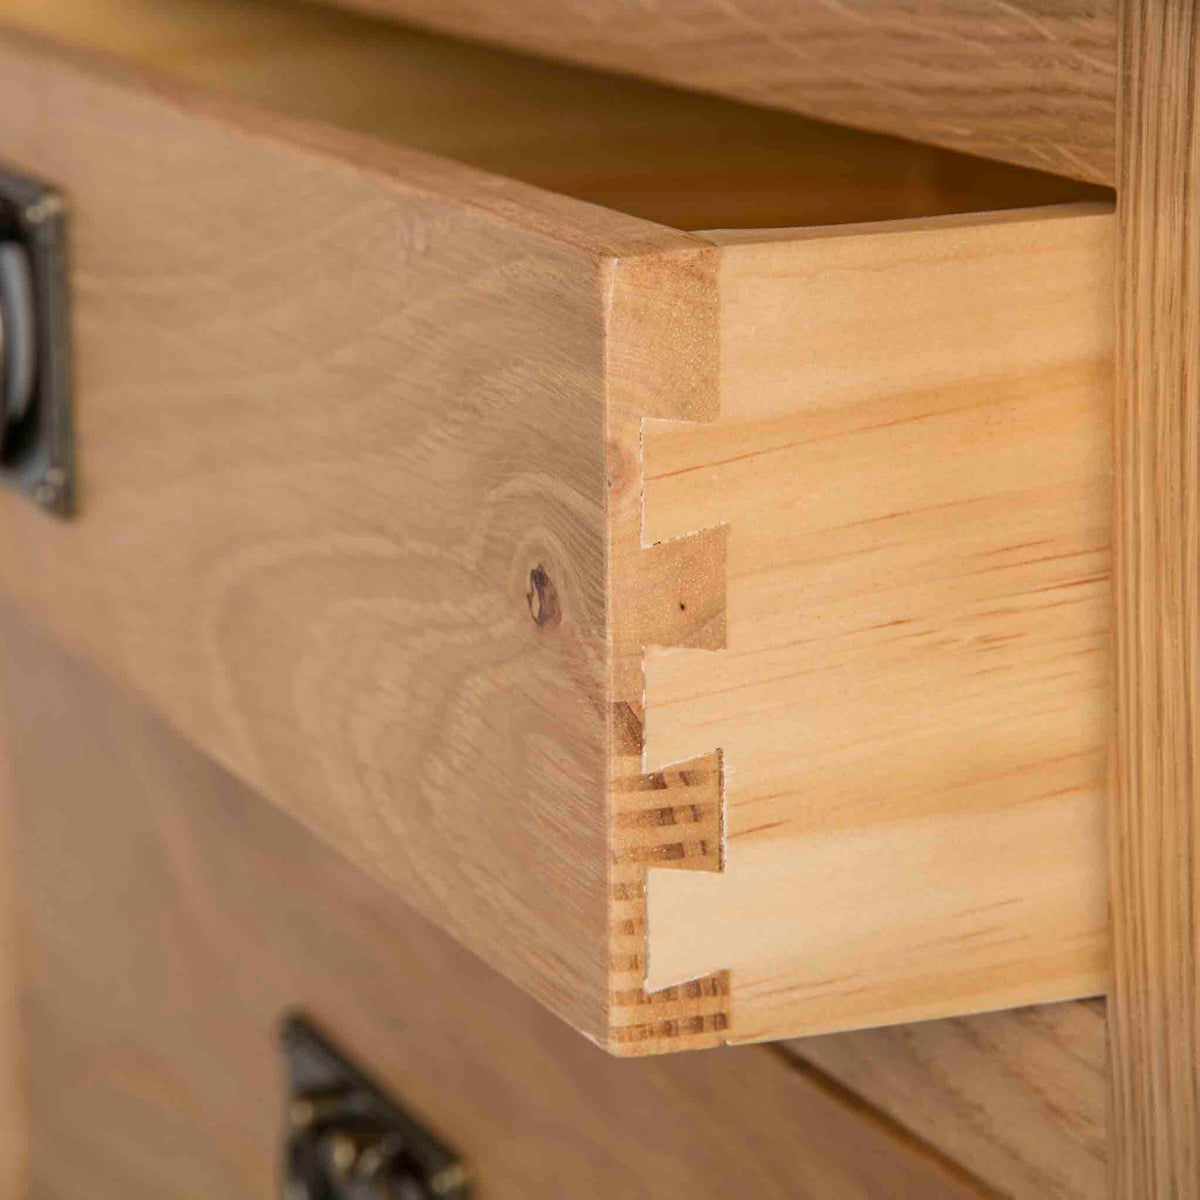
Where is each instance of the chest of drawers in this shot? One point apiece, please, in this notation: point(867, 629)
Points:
point(662, 543)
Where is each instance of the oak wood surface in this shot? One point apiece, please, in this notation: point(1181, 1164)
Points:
point(911, 470)
point(313, 499)
point(1031, 82)
point(1154, 814)
point(686, 160)
point(402, 639)
point(1018, 1097)
point(668, 324)
point(172, 916)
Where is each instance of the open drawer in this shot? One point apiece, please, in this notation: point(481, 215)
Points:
point(707, 629)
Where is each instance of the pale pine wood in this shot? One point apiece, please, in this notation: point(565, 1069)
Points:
point(1155, 809)
point(1018, 1097)
point(1031, 82)
point(912, 466)
point(172, 917)
point(687, 160)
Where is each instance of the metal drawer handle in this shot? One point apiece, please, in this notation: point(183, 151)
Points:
point(36, 433)
point(347, 1140)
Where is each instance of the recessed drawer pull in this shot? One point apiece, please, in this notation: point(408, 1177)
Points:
point(347, 1140)
point(17, 331)
point(36, 440)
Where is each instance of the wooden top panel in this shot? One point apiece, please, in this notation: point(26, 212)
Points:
point(1031, 83)
point(685, 160)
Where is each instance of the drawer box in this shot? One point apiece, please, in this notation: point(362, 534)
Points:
point(707, 629)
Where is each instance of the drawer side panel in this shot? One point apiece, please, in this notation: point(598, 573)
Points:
point(911, 472)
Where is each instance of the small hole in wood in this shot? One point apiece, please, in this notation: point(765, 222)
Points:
point(542, 597)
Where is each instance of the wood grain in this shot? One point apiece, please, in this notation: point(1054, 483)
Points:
point(1154, 812)
point(1032, 83)
point(911, 466)
point(690, 161)
point(173, 916)
point(363, 439)
point(1018, 1097)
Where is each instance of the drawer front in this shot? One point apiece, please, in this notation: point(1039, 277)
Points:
point(336, 405)
point(707, 630)
point(171, 918)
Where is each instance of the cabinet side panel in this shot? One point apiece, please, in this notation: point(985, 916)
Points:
point(1154, 808)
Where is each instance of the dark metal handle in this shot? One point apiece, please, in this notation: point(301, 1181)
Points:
point(347, 1140)
point(36, 427)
